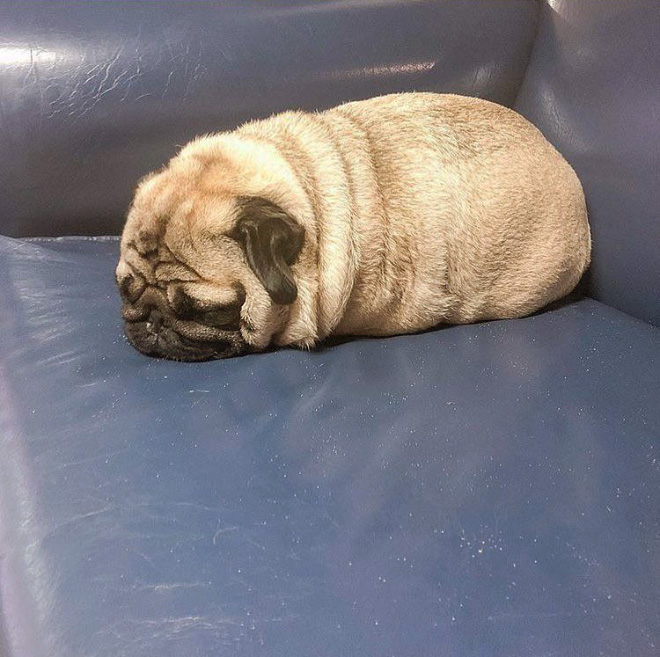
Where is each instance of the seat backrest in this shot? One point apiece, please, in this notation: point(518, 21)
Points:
point(593, 88)
point(93, 95)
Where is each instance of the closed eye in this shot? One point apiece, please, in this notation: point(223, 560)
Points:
point(226, 316)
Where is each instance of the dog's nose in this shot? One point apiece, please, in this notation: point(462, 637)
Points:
point(155, 321)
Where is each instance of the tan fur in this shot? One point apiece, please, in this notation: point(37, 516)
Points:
point(418, 209)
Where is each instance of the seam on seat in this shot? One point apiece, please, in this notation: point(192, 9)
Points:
point(564, 301)
point(540, 15)
point(72, 238)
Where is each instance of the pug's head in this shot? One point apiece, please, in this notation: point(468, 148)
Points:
point(205, 269)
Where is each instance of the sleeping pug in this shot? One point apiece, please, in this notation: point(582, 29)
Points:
point(378, 217)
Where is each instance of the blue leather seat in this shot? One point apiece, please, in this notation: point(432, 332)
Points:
point(490, 489)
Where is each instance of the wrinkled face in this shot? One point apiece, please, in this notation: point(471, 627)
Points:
point(204, 274)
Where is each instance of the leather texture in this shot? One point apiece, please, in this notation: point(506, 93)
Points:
point(477, 490)
point(93, 95)
point(593, 89)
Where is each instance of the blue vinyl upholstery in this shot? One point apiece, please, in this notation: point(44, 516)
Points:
point(484, 491)
point(593, 89)
point(96, 94)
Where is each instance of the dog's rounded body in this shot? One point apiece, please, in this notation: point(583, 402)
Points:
point(378, 217)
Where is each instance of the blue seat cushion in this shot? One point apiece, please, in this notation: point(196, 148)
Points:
point(490, 489)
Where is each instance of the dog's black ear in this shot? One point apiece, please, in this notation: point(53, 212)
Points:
point(272, 241)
